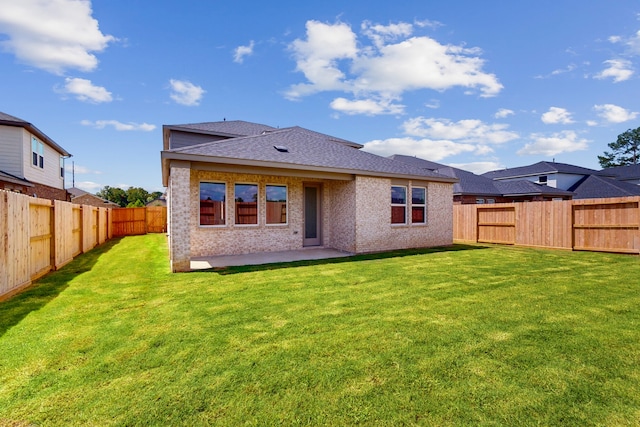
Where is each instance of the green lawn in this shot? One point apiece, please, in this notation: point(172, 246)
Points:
point(467, 335)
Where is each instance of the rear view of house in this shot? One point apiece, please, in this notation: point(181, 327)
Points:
point(236, 187)
point(30, 162)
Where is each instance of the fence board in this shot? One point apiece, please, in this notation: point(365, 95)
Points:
point(129, 221)
point(40, 237)
point(14, 232)
point(64, 230)
point(611, 225)
point(156, 219)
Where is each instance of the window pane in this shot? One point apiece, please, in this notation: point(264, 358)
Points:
point(212, 198)
point(417, 214)
point(399, 195)
point(246, 197)
point(276, 204)
point(418, 196)
point(398, 215)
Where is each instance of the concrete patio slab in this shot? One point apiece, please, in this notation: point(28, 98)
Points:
point(203, 263)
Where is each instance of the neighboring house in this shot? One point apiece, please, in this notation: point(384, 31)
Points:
point(558, 175)
point(629, 173)
point(477, 189)
point(596, 187)
point(30, 161)
point(160, 201)
point(584, 183)
point(82, 197)
point(236, 187)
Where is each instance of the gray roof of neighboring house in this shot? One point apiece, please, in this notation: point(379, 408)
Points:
point(469, 183)
point(624, 173)
point(541, 168)
point(76, 192)
point(525, 187)
point(305, 150)
point(594, 187)
point(7, 177)
point(8, 120)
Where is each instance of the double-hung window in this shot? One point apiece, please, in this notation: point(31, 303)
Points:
point(37, 153)
point(212, 203)
point(246, 199)
point(276, 204)
point(418, 205)
point(398, 204)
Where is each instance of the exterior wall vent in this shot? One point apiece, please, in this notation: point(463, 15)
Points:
point(281, 148)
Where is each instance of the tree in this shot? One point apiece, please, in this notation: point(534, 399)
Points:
point(114, 194)
point(624, 151)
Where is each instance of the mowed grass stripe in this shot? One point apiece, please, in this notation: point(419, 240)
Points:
point(467, 335)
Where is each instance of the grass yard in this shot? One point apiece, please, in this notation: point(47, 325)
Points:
point(461, 336)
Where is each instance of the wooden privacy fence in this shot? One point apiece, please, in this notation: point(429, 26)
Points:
point(133, 221)
point(40, 235)
point(603, 225)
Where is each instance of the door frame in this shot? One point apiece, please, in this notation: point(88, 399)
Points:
point(317, 241)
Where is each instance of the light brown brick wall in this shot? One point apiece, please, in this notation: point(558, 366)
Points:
point(374, 231)
point(180, 218)
point(356, 217)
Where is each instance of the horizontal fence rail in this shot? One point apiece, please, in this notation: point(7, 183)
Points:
point(601, 225)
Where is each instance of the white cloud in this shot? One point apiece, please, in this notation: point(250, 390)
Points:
point(561, 142)
point(185, 92)
point(317, 57)
point(84, 90)
point(470, 131)
point(119, 126)
point(53, 35)
point(619, 70)
point(241, 51)
point(632, 43)
point(478, 167)
point(80, 170)
point(614, 114)
point(503, 112)
point(333, 59)
point(368, 107)
point(557, 115)
point(89, 186)
point(428, 149)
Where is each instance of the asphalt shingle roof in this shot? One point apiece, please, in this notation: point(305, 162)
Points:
point(306, 149)
point(233, 128)
point(541, 168)
point(526, 187)
point(595, 187)
point(624, 173)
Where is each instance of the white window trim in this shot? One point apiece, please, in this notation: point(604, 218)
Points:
point(405, 205)
point(286, 189)
point(226, 205)
point(39, 146)
point(235, 213)
point(419, 205)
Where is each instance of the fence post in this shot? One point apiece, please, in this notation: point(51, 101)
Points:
point(52, 239)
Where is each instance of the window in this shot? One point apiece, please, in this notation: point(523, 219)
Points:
point(542, 179)
point(212, 203)
point(491, 201)
point(398, 204)
point(246, 198)
point(61, 167)
point(37, 153)
point(276, 204)
point(479, 201)
point(419, 205)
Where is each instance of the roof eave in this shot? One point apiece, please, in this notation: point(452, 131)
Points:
point(37, 132)
point(169, 155)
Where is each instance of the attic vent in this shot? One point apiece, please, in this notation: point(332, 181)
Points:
point(281, 148)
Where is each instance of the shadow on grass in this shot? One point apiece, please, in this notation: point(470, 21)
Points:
point(353, 258)
point(47, 288)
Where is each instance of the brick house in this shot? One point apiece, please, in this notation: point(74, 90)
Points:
point(236, 187)
point(30, 162)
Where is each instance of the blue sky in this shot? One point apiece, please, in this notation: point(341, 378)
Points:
point(479, 85)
